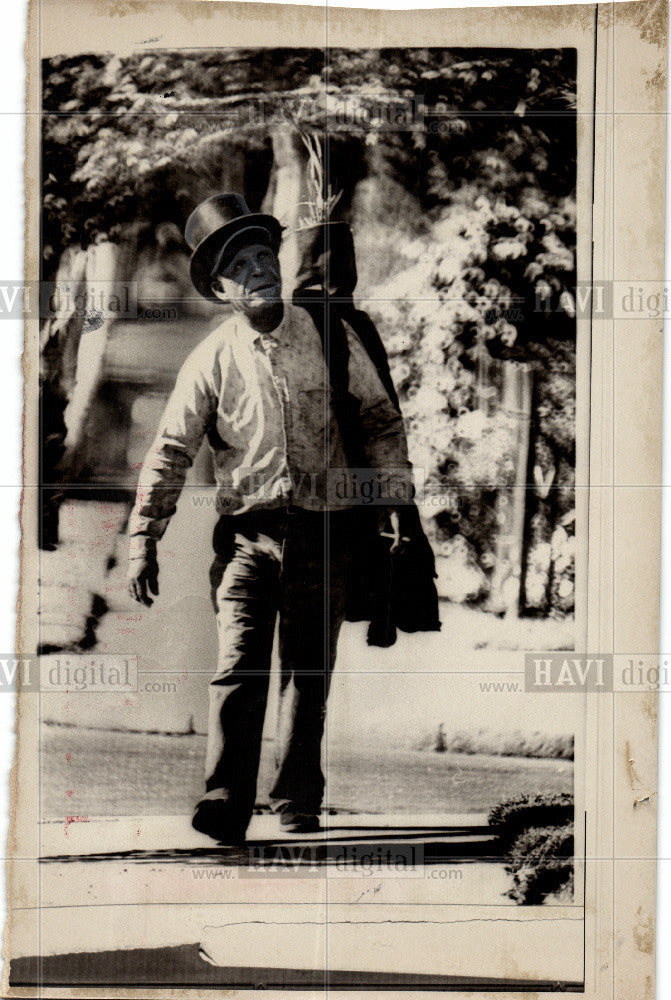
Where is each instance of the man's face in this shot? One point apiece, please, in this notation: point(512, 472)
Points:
point(250, 281)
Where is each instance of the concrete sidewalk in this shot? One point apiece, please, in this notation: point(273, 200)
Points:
point(356, 858)
point(161, 837)
point(385, 859)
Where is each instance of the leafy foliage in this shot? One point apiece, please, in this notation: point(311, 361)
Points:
point(511, 818)
point(541, 863)
point(115, 129)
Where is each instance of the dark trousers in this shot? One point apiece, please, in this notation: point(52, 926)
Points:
point(291, 563)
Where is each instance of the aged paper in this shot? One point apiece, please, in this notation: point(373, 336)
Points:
point(405, 269)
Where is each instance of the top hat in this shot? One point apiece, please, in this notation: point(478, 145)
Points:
point(217, 229)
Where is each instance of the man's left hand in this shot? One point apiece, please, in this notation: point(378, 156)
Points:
point(392, 527)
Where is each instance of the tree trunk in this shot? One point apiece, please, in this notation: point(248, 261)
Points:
point(290, 188)
point(101, 270)
point(59, 343)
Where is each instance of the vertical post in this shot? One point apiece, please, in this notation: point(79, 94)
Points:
point(511, 501)
point(485, 390)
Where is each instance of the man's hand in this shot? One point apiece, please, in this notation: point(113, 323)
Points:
point(391, 526)
point(143, 578)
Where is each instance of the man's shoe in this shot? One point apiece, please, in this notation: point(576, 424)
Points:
point(213, 818)
point(299, 822)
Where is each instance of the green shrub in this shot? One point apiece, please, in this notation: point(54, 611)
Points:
point(511, 818)
point(541, 863)
point(508, 744)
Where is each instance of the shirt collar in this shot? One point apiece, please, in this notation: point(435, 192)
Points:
point(249, 335)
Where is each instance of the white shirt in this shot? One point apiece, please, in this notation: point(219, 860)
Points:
point(264, 401)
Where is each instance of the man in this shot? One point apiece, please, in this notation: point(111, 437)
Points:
point(258, 388)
